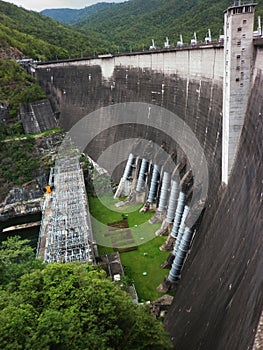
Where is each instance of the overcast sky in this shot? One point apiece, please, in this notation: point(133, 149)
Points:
point(38, 5)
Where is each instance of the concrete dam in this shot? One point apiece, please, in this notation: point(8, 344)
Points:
point(217, 91)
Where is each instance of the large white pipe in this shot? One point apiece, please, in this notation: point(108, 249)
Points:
point(178, 214)
point(181, 229)
point(127, 171)
point(172, 201)
point(142, 175)
point(175, 272)
point(128, 166)
point(164, 191)
point(154, 184)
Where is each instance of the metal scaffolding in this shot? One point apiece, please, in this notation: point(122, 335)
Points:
point(66, 233)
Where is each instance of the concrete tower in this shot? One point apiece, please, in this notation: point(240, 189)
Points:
point(238, 53)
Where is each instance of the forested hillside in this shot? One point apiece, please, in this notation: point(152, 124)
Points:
point(69, 16)
point(42, 38)
point(107, 27)
point(28, 34)
point(131, 25)
point(98, 29)
point(16, 86)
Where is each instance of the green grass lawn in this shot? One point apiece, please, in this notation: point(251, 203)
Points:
point(147, 258)
point(141, 265)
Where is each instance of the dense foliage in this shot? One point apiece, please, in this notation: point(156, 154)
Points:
point(23, 158)
point(43, 38)
point(19, 162)
point(131, 25)
point(16, 86)
point(109, 27)
point(68, 306)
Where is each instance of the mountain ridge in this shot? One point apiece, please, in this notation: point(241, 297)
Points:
point(70, 16)
point(110, 27)
point(133, 24)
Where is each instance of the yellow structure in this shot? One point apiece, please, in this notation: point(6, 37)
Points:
point(48, 189)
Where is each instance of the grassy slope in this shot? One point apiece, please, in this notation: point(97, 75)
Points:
point(147, 258)
point(135, 262)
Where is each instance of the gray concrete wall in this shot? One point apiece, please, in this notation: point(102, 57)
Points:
point(217, 303)
point(219, 300)
point(193, 62)
point(37, 116)
point(187, 82)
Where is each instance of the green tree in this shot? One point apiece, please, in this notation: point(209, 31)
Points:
point(70, 306)
point(16, 251)
point(17, 86)
point(16, 258)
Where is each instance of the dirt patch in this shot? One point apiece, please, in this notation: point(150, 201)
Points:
point(121, 239)
point(118, 224)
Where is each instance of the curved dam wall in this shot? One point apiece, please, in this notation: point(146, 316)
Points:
point(186, 82)
point(218, 300)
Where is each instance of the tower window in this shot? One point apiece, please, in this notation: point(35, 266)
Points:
point(238, 68)
point(244, 35)
point(239, 29)
point(244, 21)
point(237, 10)
point(238, 56)
point(248, 9)
point(238, 42)
point(237, 79)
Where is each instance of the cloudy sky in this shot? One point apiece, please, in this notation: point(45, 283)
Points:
point(47, 4)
